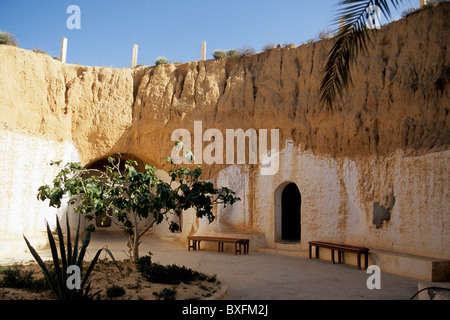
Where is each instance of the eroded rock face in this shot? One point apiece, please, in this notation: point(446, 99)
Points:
point(100, 100)
point(399, 98)
point(87, 105)
point(389, 134)
point(32, 91)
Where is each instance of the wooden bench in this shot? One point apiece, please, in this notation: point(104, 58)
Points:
point(238, 243)
point(340, 248)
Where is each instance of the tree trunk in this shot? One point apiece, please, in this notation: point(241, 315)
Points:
point(134, 242)
point(133, 248)
point(135, 252)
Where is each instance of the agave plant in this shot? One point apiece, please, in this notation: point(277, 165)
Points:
point(73, 256)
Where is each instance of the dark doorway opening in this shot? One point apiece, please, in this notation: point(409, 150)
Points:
point(290, 213)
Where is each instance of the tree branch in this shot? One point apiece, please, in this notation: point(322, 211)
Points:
point(146, 228)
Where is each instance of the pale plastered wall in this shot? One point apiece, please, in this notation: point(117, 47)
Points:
point(24, 167)
point(338, 197)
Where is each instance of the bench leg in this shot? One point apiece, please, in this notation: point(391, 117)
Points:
point(332, 256)
point(317, 252)
point(366, 260)
point(359, 261)
point(339, 256)
point(236, 250)
point(193, 245)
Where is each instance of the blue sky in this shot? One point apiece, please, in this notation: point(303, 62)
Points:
point(174, 29)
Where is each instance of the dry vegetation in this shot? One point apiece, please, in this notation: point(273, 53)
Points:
point(107, 279)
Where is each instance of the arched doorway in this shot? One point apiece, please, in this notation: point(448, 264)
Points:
point(287, 213)
point(290, 213)
point(104, 221)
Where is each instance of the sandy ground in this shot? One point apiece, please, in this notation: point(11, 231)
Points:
point(257, 275)
point(106, 274)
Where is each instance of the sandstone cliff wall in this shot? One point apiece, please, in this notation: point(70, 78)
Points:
point(399, 99)
point(387, 138)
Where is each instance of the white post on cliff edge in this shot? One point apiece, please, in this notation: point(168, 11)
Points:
point(203, 51)
point(63, 50)
point(135, 53)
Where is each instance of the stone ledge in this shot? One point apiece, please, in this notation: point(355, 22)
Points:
point(406, 265)
point(411, 266)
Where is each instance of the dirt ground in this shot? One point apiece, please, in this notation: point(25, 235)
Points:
point(106, 274)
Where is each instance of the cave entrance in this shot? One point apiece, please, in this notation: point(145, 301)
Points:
point(287, 213)
point(104, 221)
point(290, 213)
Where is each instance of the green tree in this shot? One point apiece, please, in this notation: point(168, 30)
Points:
point(130, 197)
point(351, 39)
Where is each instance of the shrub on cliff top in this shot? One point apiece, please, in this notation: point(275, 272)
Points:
point(7, 38)
point(268, 47)
point(219, 54)
point(38, 50)
point(161, 60)
point(229, 53)
point(246, 51)
point(232, 53)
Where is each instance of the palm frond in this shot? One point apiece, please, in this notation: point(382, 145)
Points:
point(352, 39)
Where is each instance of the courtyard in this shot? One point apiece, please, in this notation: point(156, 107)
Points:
point(258, 275)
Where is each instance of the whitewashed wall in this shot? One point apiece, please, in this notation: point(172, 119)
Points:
point(338, 197)
point(24, 167)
